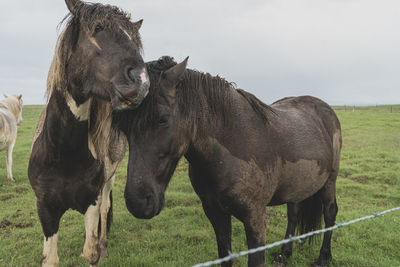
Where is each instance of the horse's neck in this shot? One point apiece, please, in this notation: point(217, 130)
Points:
point(66, 124)
point(218, 138)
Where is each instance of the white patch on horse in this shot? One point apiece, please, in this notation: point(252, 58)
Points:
point(143, 77)
point(50, 257)
point(81, 112)
point(90, 249)
point(104, 208)
point(126, 33)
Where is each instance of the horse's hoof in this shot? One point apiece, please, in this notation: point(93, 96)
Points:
point(10, 179)
point(280, 260)
point(103, 253)
point(318, 264)
point(103, 249)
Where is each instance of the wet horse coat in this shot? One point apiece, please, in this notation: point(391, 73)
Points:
point(243, 155)
point(97, 68)
point(10, 118)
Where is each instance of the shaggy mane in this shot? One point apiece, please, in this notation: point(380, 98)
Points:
point(200, 97)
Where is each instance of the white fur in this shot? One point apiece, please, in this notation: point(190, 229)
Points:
point(10, 118)
point(104, 208)
point(90, 251)
point(50, 257)
point(81, 112)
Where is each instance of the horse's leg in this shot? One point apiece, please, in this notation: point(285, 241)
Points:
point(330, 211)
point(91, 248)
point(286, 250)
point(104, 208)
point(50, 219)
point(9, 161)
point(221, 223)
point(254, 225)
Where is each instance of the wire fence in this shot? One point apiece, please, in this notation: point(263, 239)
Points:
point(292, 239)
point(376, 108)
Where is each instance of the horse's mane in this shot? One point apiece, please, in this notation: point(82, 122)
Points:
point(86, 17)
point(200, 96)
point(260, 108)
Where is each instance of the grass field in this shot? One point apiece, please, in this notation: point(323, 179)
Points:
point(181, 235)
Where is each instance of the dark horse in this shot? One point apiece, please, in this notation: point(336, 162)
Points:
point(97, 68)
point(242, 154)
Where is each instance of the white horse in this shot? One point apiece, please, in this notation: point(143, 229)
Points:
point(10, 118)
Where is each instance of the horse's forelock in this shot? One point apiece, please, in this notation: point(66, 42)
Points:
point(111, 17)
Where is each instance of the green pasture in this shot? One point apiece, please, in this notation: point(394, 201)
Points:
point(181, 235)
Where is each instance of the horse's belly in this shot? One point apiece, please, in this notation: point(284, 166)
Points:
point(299, 180)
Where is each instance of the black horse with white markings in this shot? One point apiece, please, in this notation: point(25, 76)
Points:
point(97, 69)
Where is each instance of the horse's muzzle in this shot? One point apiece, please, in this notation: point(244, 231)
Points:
point(131, 93)
point(144, 207)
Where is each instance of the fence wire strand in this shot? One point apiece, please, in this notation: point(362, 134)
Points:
point(292, 239)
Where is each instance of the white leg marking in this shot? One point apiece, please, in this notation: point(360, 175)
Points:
point(104, 208)
point(50, 257)
point(9, 161)
point(91, 247)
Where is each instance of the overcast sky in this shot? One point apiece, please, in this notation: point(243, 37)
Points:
point(342, 51)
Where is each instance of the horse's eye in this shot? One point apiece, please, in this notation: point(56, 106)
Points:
point(163, 120)
point(98, 28)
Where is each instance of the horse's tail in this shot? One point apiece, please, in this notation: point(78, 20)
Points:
point(310, 214)
point(109, 217)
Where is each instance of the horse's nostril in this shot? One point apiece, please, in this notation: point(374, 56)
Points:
point(149, 202)
point(130, 73)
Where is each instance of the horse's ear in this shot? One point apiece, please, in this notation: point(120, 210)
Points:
point(73, 5)
point(19, 97)
point(175, 73)
point(138, 24)
point(5, 96)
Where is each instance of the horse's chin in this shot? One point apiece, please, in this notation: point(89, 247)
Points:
point(140, 210)
point(119, 102)
point(148, 214)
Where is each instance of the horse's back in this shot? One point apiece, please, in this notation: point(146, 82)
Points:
point(310, 111)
